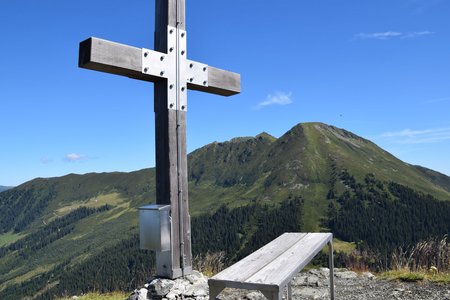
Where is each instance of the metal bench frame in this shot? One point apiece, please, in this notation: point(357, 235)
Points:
point(271, 268)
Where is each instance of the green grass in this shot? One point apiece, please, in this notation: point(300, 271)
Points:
point(8, 238)
point(407, 276)
point(97, 296)
point(113, 199)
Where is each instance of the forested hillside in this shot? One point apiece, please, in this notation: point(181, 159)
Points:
point(385, 215)
point(125, 266)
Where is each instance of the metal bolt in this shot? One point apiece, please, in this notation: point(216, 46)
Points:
point(162, 73)
point(182, 89)
point(182, 52)
point(145, 54)
point(183, 107)
point(204, 69)
point(145, 70)
point(191, 65)
point(182, 34)
point(171, 49)
point(171, 86)
point(171, 31)
point(191, 79)
point(171, 105)
point(162, 58)
point(204, 82)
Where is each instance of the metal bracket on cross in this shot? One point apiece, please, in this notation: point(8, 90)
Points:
point(174, 65)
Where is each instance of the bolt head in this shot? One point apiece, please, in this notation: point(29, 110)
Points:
point(182, 52)
point(162, 58)
point(161, 73)
point(171, 86)
point(205, 82)
point(145, 54)
point(182, 34)
point(191, 65)
point(171, 49)
point(183, 88)
point(204, 69)
point(145, 70)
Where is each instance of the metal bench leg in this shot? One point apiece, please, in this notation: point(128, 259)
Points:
point(214, 291)
point(331, 265)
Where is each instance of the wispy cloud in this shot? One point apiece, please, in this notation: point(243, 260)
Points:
point(387, 35)
point(279, 98)
point(416, 34)
point(425, 136)
point(74, 157)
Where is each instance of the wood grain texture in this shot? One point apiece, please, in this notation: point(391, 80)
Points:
point(110, 57)
point(171, 157)
point(292, 261)
point(253, 263)
point(220, 82)
point(271, 268)
point(119, 59)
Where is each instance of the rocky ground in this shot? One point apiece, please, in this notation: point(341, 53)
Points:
point(313, 284)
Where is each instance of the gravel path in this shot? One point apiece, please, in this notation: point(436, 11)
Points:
point(351, 286)
point(313, 284)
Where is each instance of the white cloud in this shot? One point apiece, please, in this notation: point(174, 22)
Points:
point(425, 136)
point(73, 157)
point(379, 35)
point(392, 35)
point(279, 98)
point(416, 34)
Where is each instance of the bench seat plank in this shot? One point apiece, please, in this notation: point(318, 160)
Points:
point(254, 262)
point(284, 267)
point(271, 268)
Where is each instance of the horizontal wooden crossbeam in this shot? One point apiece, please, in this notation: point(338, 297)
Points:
point(110, 57)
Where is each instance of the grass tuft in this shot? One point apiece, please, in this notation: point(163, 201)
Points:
point(97, 296)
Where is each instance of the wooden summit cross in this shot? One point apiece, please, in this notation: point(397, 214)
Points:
point(172, 74)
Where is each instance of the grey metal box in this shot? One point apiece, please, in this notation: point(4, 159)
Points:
point(154, 227)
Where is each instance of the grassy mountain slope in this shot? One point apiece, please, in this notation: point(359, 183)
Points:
point(252, 170)
point(301, 161)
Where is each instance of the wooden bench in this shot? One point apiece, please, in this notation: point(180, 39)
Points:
point(271, 268)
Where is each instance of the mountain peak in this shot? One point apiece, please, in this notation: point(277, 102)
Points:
point(266, 136)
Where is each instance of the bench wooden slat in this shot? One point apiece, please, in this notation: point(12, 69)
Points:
point(256, 261)
point(285, 266)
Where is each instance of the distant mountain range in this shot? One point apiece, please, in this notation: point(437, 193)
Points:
point(4, 188)
point(50, 226)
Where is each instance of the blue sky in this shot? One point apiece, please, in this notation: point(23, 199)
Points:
point(380, 69)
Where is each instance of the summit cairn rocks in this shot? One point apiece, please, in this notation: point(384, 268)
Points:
point(193, 286)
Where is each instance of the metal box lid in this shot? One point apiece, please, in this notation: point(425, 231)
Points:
point(155, 207)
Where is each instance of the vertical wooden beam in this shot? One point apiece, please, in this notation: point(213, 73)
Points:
point(171, 157)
